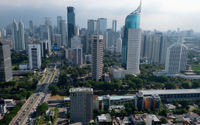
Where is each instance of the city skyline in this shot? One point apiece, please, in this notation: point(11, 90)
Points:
point(160, 15)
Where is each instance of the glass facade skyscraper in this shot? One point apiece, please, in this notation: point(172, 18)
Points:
point(132, 22)
point(70, 23)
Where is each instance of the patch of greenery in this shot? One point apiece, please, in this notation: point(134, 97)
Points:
point(19, 89)
point(8, 117)
point(41, 109)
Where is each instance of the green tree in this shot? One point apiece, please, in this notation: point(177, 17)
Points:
point(195, 84)
point(163, 120)
point(185, 85)
point(54, 89)
point(41, 109)
point(170, 86)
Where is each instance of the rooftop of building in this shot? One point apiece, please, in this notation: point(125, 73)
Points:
point(4, 42)
point(139, 117)
point(104, 118)
point(170, 91)
point(115, 68)
point(117, 97)
point(81, 90)
point(154, 118)
point(100, 98)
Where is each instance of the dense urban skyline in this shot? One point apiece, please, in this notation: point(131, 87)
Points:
point(161, 15)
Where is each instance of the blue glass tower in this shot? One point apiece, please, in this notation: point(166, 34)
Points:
point(132, 22)
point(70, 23)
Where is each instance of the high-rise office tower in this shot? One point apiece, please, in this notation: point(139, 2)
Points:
point(81, 105)
point(48, 21)
point(84, 41)
point(114, 25)
point(63, 33)
point(31, 28)
point(176, 59)
point(45, 48)
point(21, 35)
point(59, 18)
point(51, 32)
point(131, 42)
point(15, 35)
point(97, 57)
point(5, 62)
point(77, 31)
point(109, 40)
point(26, 40)
point(70, 23)
point(77, 51)
point(34, 54)
point(92, 26)
point(45, 33)
point(18, 36)
point(57, 38)
point(118, 45)
point(3, 32)
point(101, 25)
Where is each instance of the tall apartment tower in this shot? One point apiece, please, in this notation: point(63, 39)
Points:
point(81, 105)
point(18, 36)
point(34, 54)
point(70, 23)
point(131, 42)
point(5, 62)
point(114, 25)
point(154, 47)
point(176, 59)
point(97, 57)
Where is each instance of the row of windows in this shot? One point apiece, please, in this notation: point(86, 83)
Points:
point(180, 95)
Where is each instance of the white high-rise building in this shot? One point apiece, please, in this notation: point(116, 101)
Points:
point(81, 105)
point(34, 54)
point(176, 59)
point(133, 53)
point(97, 57)
point(131, 42)
point(118, 45)
point(18, 36)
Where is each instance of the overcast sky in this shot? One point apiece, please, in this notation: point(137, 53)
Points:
point(156, 14)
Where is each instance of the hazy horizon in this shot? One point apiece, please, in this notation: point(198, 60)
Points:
point(156, 14)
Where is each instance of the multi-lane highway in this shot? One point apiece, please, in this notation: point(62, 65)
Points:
point(35, 99)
